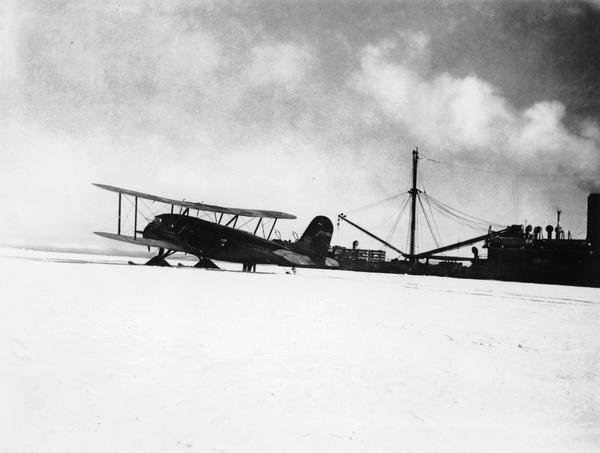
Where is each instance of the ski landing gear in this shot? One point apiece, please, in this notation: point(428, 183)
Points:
point(249, 267)
point(160, 259)
point(206, 263)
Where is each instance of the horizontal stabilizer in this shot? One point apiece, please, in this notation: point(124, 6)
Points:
point(200, 206)
point(295, 258)
point(140, 241)
point(330, 262)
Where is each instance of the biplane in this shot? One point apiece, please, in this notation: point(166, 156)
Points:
point(212, 232)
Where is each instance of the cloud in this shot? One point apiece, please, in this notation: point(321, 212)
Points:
point(468, 119)
point(287, 107)
point(110, 57)
point(285, 64)
point(8, 42)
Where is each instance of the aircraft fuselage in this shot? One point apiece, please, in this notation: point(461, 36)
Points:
point(211, 240)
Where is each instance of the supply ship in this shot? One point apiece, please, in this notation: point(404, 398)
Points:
point(516, 252)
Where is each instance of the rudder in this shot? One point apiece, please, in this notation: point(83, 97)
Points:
point(316, 238)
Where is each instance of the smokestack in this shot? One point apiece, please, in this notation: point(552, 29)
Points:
point(593, 221)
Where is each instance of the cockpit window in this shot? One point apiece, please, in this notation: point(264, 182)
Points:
point(157, 219)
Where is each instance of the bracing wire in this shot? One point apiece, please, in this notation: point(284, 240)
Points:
point(496, 172)
point(465, 222)
point(376, 203)
point(262, 224)
point(437, 231)
point(139, 211)
point(245, 223)
point(469, 223)
point(437, 239)
point(458, 214)
point(205, 215)
point(127, 215)
point(148, 208)
point(421, 180)
point(398, 218)
point(452, 164)
point(428, 222)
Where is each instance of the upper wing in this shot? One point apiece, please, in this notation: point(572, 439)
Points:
point(141, 241)
point(201, 206)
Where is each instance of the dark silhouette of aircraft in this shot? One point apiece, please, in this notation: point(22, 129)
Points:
point(221, 239)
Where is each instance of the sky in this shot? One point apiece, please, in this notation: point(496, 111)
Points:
point(305, 107)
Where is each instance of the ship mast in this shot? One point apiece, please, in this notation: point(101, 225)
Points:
point(414, 192)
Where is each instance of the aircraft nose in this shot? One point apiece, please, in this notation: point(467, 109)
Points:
point(152, 230)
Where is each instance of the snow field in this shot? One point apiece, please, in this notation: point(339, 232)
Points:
point(103, 357)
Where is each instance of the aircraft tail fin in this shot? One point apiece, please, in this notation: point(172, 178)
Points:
point(316, 238)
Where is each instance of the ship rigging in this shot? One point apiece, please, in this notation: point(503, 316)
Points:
point(418, 198)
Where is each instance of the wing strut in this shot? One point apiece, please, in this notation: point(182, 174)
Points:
point(233, 219)
point(257, 225)
point(135, 220)
point(272, 228)
point(119, 224)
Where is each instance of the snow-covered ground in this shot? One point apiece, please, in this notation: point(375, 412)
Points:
point(98, 356)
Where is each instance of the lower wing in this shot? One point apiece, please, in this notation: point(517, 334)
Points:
point(141, 241)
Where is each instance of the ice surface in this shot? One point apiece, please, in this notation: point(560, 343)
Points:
point(118, 358)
